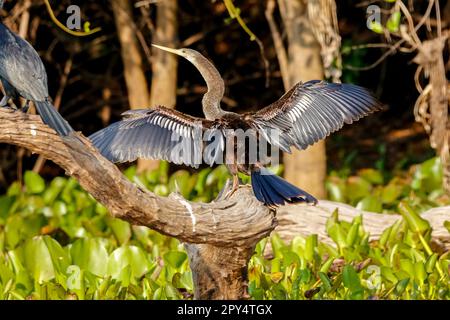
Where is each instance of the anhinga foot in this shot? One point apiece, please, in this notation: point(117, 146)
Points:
point(26, 107)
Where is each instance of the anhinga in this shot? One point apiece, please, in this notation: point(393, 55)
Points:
point(23, 74)
point(304, 115)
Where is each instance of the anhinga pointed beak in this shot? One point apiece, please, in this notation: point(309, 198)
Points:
point(175, 51)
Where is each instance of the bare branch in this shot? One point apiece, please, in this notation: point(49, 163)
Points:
point(295, 220)
point(240, 220)
point(278, 44)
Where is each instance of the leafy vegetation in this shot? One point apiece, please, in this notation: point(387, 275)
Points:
point(57, 242)
point(373, 190)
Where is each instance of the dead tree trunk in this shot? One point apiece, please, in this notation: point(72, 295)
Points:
point(164, 65)
point(306, 167)
point(136, 82)
point(221, 235)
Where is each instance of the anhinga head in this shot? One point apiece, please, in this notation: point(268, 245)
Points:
point(193, 56)
point(216, 87)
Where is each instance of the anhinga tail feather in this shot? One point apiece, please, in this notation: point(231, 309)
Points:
point(273, 190)
point(51, 117)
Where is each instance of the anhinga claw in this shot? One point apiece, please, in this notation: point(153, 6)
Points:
point(234, 187)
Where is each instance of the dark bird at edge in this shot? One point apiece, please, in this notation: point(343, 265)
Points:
point(23, 74)
point(304, 115)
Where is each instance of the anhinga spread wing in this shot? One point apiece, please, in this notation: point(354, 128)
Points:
point(159, 133)
point(311, 111)
point(304, 115)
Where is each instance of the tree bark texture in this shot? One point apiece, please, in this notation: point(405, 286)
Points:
point(136, 82)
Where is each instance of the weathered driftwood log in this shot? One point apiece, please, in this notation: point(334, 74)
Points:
point(221, 235)
point(306, 220)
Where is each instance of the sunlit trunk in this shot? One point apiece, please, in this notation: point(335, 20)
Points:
point(164, 65)
point(136, 82)
point(307, 168)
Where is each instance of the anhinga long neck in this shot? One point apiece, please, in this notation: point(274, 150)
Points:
point(216, 88)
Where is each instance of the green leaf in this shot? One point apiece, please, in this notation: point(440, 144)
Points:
point(391, 193)
point(13, 231)
point(375, 26)
point(388, 274)
point(352, 234)
point(401, 286)
point(385, 236)
point(260, 246)
point(325, 281)
point(121, 229)
point(59, 256)
point(34, 183)
point(310, 247)
point(91, 255)
point(131, 256)
point(420, 272)
point(14, 189)
point(38, 260)
point(22, 277)
point(407, 266)
point(358, 188)
point(164, 167)
point(183, 280)
point(351, 279)
point(428, 176)
point(431, 263)
point(6, 203)
point(54, 189)
point(326, 266)
point(372, 175)
point(447, 225)
point(175, 258)
point(415, 222)
point(275, 265)
point(393, 22)
point(130, 172)
point(370, 203)
point(338, 235)
point(291, 258)
point(277, 245)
